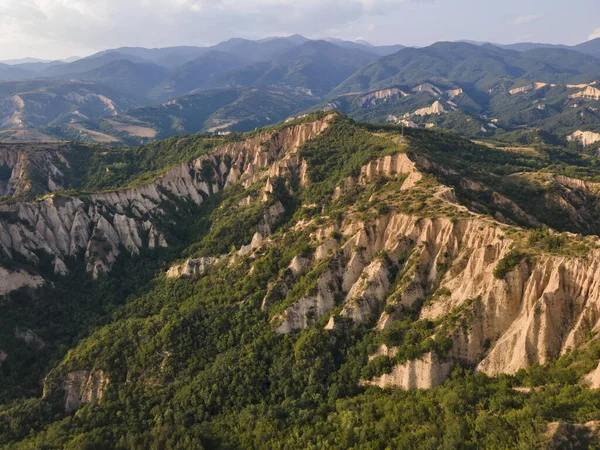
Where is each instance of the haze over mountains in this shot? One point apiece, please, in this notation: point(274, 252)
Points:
point(131, 94)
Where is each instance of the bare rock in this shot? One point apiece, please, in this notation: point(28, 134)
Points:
point(425, 373)
point(82, 387)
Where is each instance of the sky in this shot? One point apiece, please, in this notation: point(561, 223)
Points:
point(53, 29)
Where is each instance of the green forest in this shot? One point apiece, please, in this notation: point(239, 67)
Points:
point(195, 363)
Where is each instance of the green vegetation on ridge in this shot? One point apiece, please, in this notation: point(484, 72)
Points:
point(195, 363)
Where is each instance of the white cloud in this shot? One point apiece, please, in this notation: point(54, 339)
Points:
point(595, 34)
point(37, 27)
point(523, 20)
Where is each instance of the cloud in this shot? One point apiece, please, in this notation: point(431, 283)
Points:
point(523, 20)
point(77, 25)
point(595, 34)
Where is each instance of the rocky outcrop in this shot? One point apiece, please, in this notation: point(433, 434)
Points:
point(390, 166)
point(529, 87)
point(585, 137)
point(437, 108)
point(100, 225)
point(82, 387)
point(383, 94)
point(278, 289)
point(428, 372)
point(538, 311)
point(429, 88)
point(589, 93)
point(592, 380)
point(306, 311)
point(13, 280)
point(20, 164)
point(193, 267)
point(454, 93)
point(30, 338)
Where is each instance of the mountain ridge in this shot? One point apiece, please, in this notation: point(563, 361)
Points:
point(324, 257)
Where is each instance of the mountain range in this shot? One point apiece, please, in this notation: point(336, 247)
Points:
point(130, 95)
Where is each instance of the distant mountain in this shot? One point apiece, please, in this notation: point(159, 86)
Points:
point(37, 68)
point(8, 72)
point(90, 63)
point(12, 62)
point(46, 102)
point(318, 66)
point(20, 61)
point(219, 111)
point(167, 56)
point(526, 46)
point(195, 74)
point(125, 76)
point(296, 39)
point(591, 47)
point(476, 89)
point(383, 50)
point(254, 51)
point(480, 66)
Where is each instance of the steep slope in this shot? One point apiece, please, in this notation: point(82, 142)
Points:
point(64, 226)
point(31, 169)
point(295, 269)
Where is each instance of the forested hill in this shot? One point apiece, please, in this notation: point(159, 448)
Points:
point(318, 284)
point(128, 96)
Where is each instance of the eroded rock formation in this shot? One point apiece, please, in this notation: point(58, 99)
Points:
point(99, 225)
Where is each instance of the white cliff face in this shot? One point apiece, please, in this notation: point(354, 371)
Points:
point(429, 88)
point(99, 225)
point(543, 308)
point(425, 373)
point(193, 267)
point(529, 87)
point(585, 137)
point(540, 310)
point(592, 380)
point(22, 159)
point(82, 387)
point(382, 95)
point(589, 93)
point(437, 108)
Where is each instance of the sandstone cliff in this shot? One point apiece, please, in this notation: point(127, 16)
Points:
point(99, 225)
point(31, 168)
point(540, 310)
point(585, 137)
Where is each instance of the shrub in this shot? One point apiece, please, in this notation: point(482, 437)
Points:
point(507, 264)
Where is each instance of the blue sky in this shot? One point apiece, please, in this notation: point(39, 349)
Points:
point(61, 28)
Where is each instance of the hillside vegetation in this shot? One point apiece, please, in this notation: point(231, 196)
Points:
point(304, 270)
